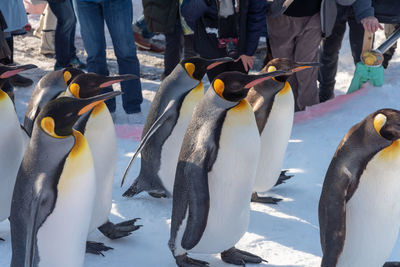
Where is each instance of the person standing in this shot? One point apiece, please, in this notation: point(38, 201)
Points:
point(359, 16)
point(118, 15)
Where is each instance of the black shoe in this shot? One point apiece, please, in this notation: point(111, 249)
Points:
point(18, 80)
point(76, 63)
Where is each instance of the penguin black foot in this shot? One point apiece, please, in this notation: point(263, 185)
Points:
point(283, 177)
point(115, 231)
point(138, 187)
point(185, 261)
point(392, 264)
point(240, 257)
point(96, 248)
point(1, 239)
point(158, 193)
point(265, 200)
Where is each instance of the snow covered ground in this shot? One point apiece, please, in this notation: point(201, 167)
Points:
point(286, 234)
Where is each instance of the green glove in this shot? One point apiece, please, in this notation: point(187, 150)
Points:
point(364, 73)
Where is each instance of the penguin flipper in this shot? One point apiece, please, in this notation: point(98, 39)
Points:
point(96, 248)
point(115, 231)
point(332, 219)
point(153, 128)
point(198, 201)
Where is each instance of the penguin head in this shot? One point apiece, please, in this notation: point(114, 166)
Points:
point(8, 71)
point(70, 73)
point(197, 67)
point(287, 65)
point(387, 123)
point(234, 86)
point(59, 115)
point(91, 84)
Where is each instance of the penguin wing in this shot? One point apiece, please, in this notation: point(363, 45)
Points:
point(332, 218)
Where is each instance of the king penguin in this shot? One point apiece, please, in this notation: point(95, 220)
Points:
point(169, 115)
point(273, 105)
point(215, 173)
point(98, 128)
point(55, 189)
point(12, 142)
point(359, 208)
point(49, 87)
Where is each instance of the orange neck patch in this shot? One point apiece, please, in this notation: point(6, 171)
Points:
point(391, 152)
point(3, 95)
point(219, 87)
point(286, 88)
point(79, 146)
point(98, 109)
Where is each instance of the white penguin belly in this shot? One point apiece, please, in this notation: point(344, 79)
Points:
point(274, 141)
point(172, 146)
point(230, 181)
point(11, 153)
point(373, 212)
point(100, 134)
point(61, 240)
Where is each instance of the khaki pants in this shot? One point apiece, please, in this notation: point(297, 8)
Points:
point(298, 38)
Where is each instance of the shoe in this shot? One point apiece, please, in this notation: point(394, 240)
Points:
point(47, 43)
point(18, 80)
point(141, 42)
point(76, 63)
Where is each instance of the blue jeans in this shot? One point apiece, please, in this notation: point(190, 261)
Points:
point(141, 24)
point(118, 16)
point(65, 32)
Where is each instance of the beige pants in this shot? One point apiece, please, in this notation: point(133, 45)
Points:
point(298, 38)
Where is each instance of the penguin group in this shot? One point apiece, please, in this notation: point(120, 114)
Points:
point(213, 151)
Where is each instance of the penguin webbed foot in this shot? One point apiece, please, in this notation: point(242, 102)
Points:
point(158, 193)
point(239, 257)
point(139, 186)
point(96, 248)
point(115, 231)
point(283, 178)
point(185, 261)
point(392, 264)
point(1, 239)
point(264, 200)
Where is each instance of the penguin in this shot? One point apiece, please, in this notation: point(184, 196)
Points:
point(55, 189)
point(98, 128)
point(11, 143)
point(359, 208)
point(273, 105)
point(49, 87)
point(215, 173)
point(169, 115)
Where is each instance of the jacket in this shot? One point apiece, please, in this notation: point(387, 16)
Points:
point(202, 17)
point(14, 13)
point(161, 16)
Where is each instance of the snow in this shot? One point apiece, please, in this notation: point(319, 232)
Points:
point(286, 234)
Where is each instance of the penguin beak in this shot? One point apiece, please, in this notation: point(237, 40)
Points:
point(89, 103)
point(256, 79)
point(305, 65)
point(218, 61)
point(15, 71)
point(116, 79)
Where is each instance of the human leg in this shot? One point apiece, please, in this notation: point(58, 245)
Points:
point(118, 16)
point(328, 58)
point(65, 31)
point(173, 49)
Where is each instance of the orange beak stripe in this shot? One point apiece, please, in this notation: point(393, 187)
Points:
point(89, 107)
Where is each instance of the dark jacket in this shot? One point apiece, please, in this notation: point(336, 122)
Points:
point(387, 11)
point(202, 18)
point(161, 15)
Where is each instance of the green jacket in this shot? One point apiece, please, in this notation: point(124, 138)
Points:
point(161, 15)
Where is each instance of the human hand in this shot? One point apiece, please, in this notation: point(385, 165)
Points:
point(247, 61)
point(371, 24)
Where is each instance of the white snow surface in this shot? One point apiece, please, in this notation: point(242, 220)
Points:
point(286, 234)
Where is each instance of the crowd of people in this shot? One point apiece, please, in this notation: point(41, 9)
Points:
point(304, 31)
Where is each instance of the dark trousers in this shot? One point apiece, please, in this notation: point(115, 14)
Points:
point(118, 15)
point(329, 51)
point(65, 32)
point(175, 43)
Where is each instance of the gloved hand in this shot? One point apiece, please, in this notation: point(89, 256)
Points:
point(364, 73)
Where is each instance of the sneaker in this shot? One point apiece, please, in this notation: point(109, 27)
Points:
point(153, 48)
point(141, 42)
point(76, 63)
